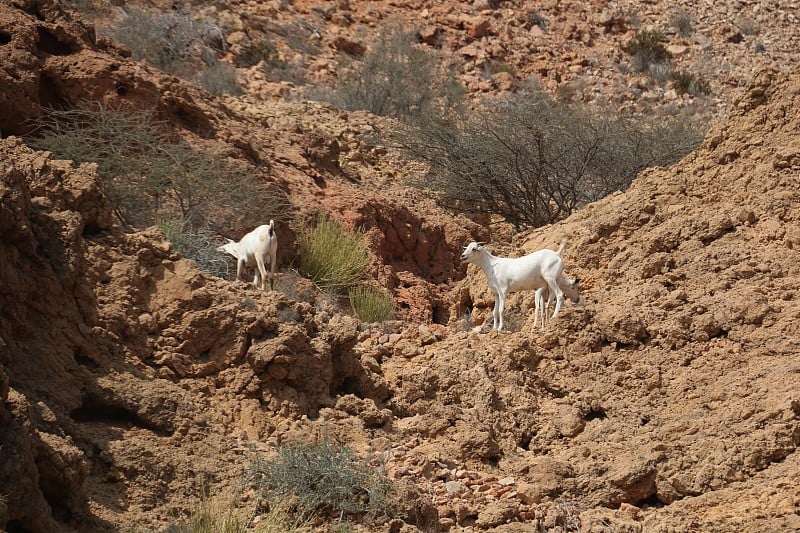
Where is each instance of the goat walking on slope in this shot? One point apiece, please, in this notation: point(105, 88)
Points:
point(259, 246)
point(540, 269)
point(570, 289)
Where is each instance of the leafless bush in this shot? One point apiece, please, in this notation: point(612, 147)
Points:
point(682, 21)
point(396, 77)
point(178, 43)
point(197, 244)
point(748, 26)
point(534, 160)
point(300, 35)
point(219, 78)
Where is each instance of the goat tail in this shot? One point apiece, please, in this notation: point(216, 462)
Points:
point(563, 245)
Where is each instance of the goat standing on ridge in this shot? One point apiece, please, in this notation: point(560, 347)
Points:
point(261, 246)
point(542, 268)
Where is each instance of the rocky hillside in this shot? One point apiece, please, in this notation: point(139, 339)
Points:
point(668, 400)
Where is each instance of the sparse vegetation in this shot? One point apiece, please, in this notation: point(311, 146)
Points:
point(396, 77)
point(534, 160)
point(178, 43)
point(371, 304)
point(150, 174)
point(682, 21)
point(324, 478)
point(198, 244)
point(332, 256)
point(748, 26)
point(466, 323)
point(219, 78)
point(647, 48)
point(209, 517)
point(300, 35)
point(254, 52)
point(152, 177)
point(534, 18)
point(686, 82)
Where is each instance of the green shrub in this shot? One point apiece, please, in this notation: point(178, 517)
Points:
point(150, 174)
point(371, 304)
point(396, 77)
point(646, 48)
point(333, 257)
point(324, 478)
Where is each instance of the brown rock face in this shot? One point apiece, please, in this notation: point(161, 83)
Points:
point(667, 400)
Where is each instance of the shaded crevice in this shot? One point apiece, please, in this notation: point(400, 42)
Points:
point(56, 497)
point(94, 409)
point(595, 414)
point(15, 526)
point(5, 38)
point(50, 44)
point(49, 95)
point(440, 314)
point(349, 385)
point(84, 360)
point(651, 501)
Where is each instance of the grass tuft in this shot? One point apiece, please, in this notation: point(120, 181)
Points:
point(332, 256)
point(371, 304)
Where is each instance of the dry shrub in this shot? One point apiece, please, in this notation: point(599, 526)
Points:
point(647, 48)
point(535, 160)
point(396, 77)
point(179, 43)
point(324, 479)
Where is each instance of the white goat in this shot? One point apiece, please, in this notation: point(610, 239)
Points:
point(570, 289)
point(541, 268)
point(260, 245)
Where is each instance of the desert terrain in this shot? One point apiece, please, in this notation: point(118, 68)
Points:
point(133, 383)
